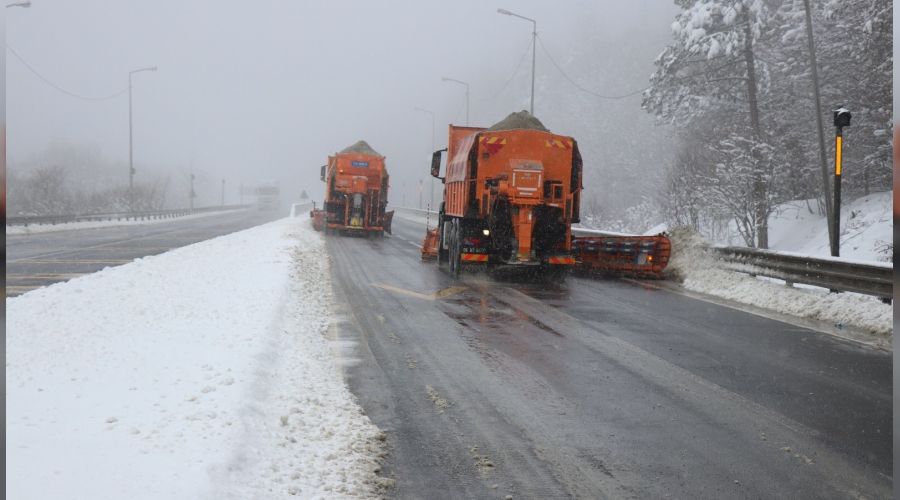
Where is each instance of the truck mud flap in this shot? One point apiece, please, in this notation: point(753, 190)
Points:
point(388, 218)
point(318, 219)
point(430, 245)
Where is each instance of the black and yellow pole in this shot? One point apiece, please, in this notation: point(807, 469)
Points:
point(841, 120)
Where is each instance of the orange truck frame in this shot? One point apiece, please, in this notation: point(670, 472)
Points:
point(510, 198)
point(356, 190)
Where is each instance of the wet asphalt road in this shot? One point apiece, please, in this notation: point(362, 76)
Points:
point(40, 259)
point(600, 388)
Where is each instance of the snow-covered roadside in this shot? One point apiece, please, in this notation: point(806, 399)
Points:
point(203, 372)
point(93, 224)
point(700, 272)
point(866, 228)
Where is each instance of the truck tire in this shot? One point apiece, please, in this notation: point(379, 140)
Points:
point(442, 254)
point(455, 249)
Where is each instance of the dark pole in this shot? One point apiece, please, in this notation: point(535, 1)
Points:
point(131, 170)
point(841, 120)
point(130, 152)
point(829, 209)
point(533, 48)
point(192, 192)
point(533, 58)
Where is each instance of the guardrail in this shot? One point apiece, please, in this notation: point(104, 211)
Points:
point(833, 274)
point(297, 206)
point(145, 215)
point(416, 210)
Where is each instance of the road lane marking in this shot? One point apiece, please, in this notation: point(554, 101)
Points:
point(440, 294)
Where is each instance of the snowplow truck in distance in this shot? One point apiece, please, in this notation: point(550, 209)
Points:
point(511, 194)
point(356, 191)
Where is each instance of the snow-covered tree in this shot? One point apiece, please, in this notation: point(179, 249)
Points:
point(711, 67)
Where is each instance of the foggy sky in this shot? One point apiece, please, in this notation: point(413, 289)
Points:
point(257, 90)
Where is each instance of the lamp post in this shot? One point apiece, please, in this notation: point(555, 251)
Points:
point(533, 47)
point(431, 183)
point(131, 139)
point(446, 79)
point(192, 194)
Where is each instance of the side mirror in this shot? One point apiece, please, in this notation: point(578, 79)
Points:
point(322, 172)
point(436, 163)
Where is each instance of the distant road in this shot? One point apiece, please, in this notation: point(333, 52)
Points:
point(40, 259)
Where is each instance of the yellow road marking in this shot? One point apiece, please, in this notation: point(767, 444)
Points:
point(440, 294)
point(446, 292)
point(20, 289)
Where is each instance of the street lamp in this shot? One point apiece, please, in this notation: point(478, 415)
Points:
point(432, 150)
point(26, 4)
point(533, 47)
point(131, 139)
point(445, 79)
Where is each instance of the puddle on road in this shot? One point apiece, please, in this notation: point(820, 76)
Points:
point(478, 310)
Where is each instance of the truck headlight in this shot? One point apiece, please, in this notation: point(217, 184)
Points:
point(486, 232)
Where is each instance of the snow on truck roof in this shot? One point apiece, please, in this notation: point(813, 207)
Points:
point(521, 120)
point(361, 147)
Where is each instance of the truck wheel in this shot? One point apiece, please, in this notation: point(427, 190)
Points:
point(442, 254)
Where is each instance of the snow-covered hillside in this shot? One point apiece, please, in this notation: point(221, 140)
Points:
point(203, 372)
point(866, 228)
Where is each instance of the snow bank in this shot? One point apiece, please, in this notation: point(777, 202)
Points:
point(203, 372)
point(699, 271)
point(92, 224)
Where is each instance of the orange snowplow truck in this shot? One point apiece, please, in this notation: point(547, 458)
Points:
point(511, 194)
point(356, 191)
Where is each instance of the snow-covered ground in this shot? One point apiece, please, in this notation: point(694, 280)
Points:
point(866, 228)
point(92, 224)
point(203, 372)
point(700, 271)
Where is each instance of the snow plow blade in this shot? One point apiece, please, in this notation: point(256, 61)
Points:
point(640, 256)
point(430, 245)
